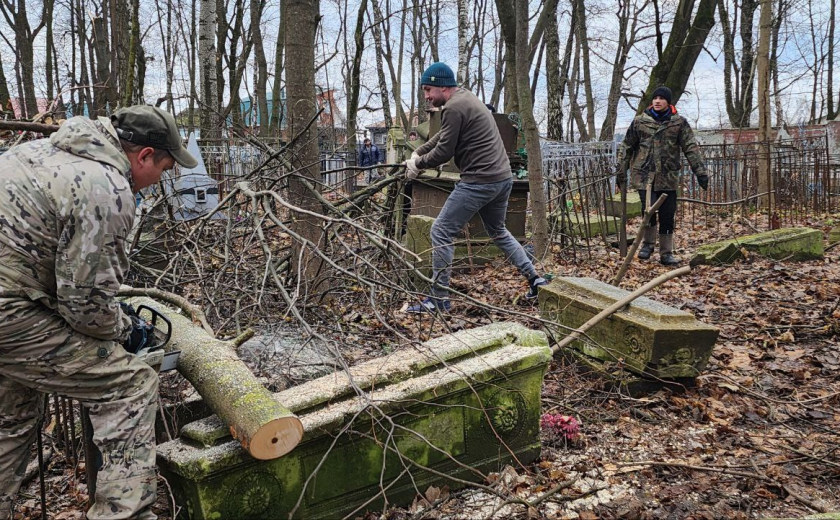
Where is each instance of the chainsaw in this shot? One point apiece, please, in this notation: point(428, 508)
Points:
point(150, 332)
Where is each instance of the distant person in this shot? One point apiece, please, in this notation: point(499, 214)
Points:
point(651, 151)
point(468, 133)
point(369, 156)
point(412, 136)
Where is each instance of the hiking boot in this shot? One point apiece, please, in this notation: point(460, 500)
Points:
point(666, 250)
point(534, 285)
point(430, 305)
point(648, 243)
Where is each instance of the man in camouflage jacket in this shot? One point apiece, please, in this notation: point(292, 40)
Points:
point(651, 151)
point(66, 207)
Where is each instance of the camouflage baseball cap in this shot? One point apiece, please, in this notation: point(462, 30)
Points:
point(150, 126)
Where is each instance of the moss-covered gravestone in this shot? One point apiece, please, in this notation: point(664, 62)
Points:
point(587, 225)
point(648, 337)
point(634, 204)
point(476, 251)
point(780, 244)
point(457, 407)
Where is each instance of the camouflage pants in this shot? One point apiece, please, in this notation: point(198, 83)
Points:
point(39, 354)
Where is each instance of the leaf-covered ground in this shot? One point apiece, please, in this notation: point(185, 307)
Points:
point(757, 437)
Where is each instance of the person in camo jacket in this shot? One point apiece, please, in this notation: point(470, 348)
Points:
point(651, 151)
point(66, 206)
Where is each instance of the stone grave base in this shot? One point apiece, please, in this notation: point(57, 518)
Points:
point(647, 337)
point(780, 244)
point(446, 412)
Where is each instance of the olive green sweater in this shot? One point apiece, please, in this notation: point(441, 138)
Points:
point(468, 133)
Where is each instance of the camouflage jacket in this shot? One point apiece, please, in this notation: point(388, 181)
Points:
point(652, 147)
point(66, 207)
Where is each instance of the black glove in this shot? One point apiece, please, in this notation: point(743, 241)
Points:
point(141, 334)
point(620, 179)
point(703, 181)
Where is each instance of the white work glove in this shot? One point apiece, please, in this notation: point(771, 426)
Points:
point(411, 169)
point(415, 155)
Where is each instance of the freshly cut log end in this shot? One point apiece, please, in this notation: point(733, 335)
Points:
point(276, 438)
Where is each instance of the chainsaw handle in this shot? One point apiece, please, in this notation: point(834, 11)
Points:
point(155, 315)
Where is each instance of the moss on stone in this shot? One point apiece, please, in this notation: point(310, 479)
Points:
point(800, 244)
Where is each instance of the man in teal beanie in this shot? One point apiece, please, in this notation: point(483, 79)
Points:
point(468, 133)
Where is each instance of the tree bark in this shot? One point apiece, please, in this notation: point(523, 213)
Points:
point(626, 41)
point(684, 46)
point(133, 46)
point(463, 51)
point(300, 71)
point(587, 77)
point(539, 220)
point(738, 99)
point(355, 77)
point(765, 182)
point(210, 125)
point(832, 17)
point(261, 80)
point(5, 97)
point(264, 427)
point(507, 21)
point(277, 112)
point(380, 68)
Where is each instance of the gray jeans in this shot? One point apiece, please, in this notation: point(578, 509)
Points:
point(490, 201)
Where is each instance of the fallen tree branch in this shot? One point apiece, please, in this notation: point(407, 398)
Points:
point(617, 306)
point(630, 254)
point(730, 203)
point(196, 314)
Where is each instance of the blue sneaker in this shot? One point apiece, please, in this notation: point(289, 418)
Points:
point(534, 287)
point(430, 305)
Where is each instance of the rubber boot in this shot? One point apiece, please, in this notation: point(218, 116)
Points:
point(666, 250)
point(648, 243)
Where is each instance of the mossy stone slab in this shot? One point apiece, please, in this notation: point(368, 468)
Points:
point(634, 205)
point(587, 225)
point(800, 244)
point(834, 235)
point(392, 427)
point(648, 337)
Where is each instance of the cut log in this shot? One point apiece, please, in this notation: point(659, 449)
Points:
point(266, 429)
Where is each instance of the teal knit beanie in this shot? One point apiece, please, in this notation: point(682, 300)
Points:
point(438, 75)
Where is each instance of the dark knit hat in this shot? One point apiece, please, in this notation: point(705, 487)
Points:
point(438, 75)
point(662, 92)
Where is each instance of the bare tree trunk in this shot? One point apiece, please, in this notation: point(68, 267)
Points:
point(134, 44)
point(587, 77)
point(774, 61)
point(15, 14)
point(355, 76)
point(85, 94)
point(573, 92)
point(765, 29)
point(261, 66)
point(300, 43)
point(276, 110)
point(507, 20)
point(380, 69)
point(388, 57)
point(738, 99)
point(832, 17)
point(626, 41)
point(555, 78)
point(501, 68)
point(463, 54)
point(50, 45)
point(684, 46)
point(5, 98)
point(210, 125)
point(539, 220)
